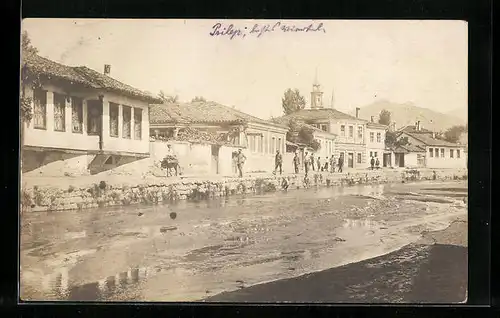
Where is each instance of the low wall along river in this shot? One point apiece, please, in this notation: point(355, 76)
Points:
point(102, 194)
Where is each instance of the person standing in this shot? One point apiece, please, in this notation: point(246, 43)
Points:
point(377, 164)
point(278, 162)
point(341, 163)
point(326, 164)
point(372, 163)
point(296, 162)
point(306, 164)
point(240, 161)
point(312, 162)
point(318, 161)
point(332, 164)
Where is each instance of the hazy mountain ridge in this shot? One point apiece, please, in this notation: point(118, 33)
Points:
point(408, 113)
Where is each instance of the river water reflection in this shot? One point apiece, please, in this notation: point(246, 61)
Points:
point(142, 254)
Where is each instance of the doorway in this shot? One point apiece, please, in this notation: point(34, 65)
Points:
point(215, 159)
point(400, 160)
point(350, 160)
point(387, 160)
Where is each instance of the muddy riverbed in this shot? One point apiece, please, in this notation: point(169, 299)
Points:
point(193, 250)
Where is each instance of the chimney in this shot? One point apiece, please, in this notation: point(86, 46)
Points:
point(371, 119)
point(418, 125)
point(433, 135)
point(357, 112)
point(107, 69)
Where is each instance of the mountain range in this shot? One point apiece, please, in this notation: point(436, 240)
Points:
point(408, 113)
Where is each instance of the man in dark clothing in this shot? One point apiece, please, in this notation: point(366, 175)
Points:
point(312, 162)
point(332, 164)
point(278, 162)
point(296, 162)
point(377, 164)
point(372, 162)
point(240, 161)
point(341, 163)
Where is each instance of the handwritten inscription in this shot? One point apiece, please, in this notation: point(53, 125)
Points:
point(258, 30)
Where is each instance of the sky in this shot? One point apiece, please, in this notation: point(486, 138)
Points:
point(356, 61)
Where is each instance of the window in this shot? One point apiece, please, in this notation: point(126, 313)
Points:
point(379, 137)
point(359, 158)
point(137, 123)
point(372, 137)
point(113, 120)
point(451, 153)
point(126, 121)
point(77, 114)
point(273, 145)
point(324, 127)
point(458, 153)
point(431, 152)
point(360, 132)
point(371, 154)
point(351, 132)
point(40, 109)
point(342, 130)
point(280, 146)
point(93, 117)
point(261, 143)
point(436, 153)
point(59, 112)
point(252, 143)
point(442, 152)
point(375, 153)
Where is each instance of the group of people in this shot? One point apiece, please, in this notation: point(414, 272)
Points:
point(374, 163)
point(316, 165)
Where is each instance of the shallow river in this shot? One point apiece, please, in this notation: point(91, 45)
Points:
point(147, 254)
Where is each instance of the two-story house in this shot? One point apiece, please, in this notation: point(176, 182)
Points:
point(375, 143)
point(82, 121)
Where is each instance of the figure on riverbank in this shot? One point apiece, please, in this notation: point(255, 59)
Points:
point(240, 161)
point(377, 164)
point(296, 162)
point(332, 164)
point(325, 168)
point(278, 162)
point(170, 162)
point(306, 164)
point(341, 163)
point(312, 162)
point(285, 183)
point(318, 161)
point(372, 163)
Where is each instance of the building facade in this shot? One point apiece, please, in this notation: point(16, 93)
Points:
point(433, 152)
point(82, 121)
point(375, 144)
point(259, 139)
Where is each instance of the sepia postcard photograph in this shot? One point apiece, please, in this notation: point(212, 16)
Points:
point(244, 161)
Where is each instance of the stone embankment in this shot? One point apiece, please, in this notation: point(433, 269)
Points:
point(102, 194)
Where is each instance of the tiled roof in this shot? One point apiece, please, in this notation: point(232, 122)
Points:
point(429, 141)
point(409, 148)
point(322, 113)
point(376, 125)
point(413, 129)
point(285, 121)
point(202, 112)
point(82, 75)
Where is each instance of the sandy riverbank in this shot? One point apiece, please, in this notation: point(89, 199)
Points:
point(432, 270)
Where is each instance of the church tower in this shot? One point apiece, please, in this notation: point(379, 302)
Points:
point(316, 94)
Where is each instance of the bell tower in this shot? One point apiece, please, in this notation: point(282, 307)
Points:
point(316, 94)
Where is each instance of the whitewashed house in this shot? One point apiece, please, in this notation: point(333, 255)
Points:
point(82, 121)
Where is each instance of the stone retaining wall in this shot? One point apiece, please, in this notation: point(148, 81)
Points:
point(105, 195)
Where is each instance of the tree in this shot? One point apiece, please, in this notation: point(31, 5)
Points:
point(306, 136)
point(391, 140)
point(384, 117)
point(199, 99)
point(454, 133)
point(168, 98)
point(26, 45)
point(292, 101)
